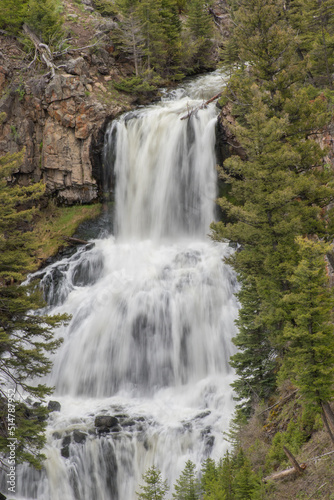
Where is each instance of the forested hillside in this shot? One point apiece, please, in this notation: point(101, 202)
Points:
point(277, 208)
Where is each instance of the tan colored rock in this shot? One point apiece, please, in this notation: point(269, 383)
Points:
point(65, 164)
point(62, 131)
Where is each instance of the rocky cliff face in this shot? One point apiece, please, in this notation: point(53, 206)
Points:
point(60, 122)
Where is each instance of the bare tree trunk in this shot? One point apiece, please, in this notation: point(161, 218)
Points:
point(326, 424)
point(329, 414)
point(293, 461)
point(42, 48)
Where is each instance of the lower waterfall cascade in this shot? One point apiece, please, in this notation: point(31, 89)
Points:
point(143, 375)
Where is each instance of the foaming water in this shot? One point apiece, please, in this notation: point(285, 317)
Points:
point(152, 316)
point(166, 183)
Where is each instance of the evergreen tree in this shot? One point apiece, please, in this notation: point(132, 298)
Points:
point(210, 483)
point(26, 339)
point(44, 18)
point(155, 488)
point(314, 21)
point(12, 14)
point(267, 42)
point(226, 477)
point(149, 12)
point(275, 195)
point(309, 335)
point(200, 27)
point(246, 484)
point(129, 36)
point(255, 361)
point(187, 485)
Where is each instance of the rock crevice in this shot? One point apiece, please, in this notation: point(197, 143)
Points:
point(60, 122)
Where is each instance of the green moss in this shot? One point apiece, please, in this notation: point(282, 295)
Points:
point(55, 223)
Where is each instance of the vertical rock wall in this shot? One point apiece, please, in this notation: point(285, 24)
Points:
point(60, 124)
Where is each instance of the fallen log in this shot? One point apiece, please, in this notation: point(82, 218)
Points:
point(75, 241)
point(282, 474)
point(295, 470)
point(201, 106)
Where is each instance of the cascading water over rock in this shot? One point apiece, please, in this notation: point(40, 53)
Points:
point(152, 316)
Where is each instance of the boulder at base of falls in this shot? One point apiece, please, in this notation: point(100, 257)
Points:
point(79, 436)
point(65, 450)
point(54, 406)
point(104, 423)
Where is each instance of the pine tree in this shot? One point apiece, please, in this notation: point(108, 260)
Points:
point(200, 26)
point(44, 18)
point(314, 21)
point(263, 39)
point(309, 335)
point(255, 361)
point(246, 484)
point(226, 477)
point(149, 12)
point(155, 488)
point(12, 14)
point(187, 485)
point(26, 339)
point(129, 36)
point(275, 195)
point(210, 481)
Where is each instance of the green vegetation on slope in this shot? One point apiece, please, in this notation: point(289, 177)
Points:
point(26, 339)
point(277, 209)
point(54, 223)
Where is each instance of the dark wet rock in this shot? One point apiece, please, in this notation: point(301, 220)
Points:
point(79, 436)
point(88, 270)
point(208, 438)
point(56, 435)
point(65, 451)
point(104, 423)
point(116, 428)
point(128, 423)
point(203, 414)
point(121, 416)
point(54, 406)
point(209, 441)
point(103, 430)
point(66, 440)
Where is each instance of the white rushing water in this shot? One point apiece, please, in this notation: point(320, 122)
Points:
point(152, 316)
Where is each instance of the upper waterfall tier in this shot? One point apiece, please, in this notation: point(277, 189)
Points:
point(164, 170)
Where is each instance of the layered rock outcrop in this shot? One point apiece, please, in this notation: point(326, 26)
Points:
point(61, 123)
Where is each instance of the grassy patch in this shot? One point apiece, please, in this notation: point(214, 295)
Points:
point(54, 223)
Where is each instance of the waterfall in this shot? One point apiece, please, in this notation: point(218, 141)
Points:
point(153, 315)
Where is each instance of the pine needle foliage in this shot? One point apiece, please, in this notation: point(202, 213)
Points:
point(187, 486)
point(26, 339)
point(309, 335)
point(154, 488)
